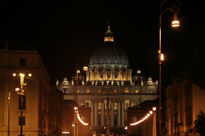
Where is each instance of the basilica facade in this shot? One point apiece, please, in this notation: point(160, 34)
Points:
point(108, 87)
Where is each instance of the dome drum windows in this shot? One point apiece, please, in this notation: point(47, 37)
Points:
point(136, 91)
point(127, 91)
point(87, 91)
point(115, 91)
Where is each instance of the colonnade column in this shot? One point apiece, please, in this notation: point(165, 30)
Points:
point(112, 115)
point(130, 75)
point(120, 72)
point(87, 75)
point(113, 74)
point(91, 74)
point(102, 113)
point(118, 114)
point(97, 74)
point(96, 114)
point(104, 78)
point(105, 75)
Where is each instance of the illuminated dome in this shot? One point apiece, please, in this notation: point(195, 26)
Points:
point(109, 57)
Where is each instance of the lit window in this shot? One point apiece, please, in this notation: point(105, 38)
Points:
point(99, 106)
point(115, 91)
point(127, 101)
point(127, 91)
point(87, 103)
point(136, 91)
point(115, 106)
point(87, 91)
point(99, 91)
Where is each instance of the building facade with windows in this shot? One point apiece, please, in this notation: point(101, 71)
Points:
point(184, 101)
point(108, 87)
point(41, 102)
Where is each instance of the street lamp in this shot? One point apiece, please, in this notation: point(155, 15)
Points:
point(76, 105)
point(175, 24)
point(20, 92)
point(75, 124)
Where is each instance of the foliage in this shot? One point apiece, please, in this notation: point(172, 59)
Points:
point(200, 123)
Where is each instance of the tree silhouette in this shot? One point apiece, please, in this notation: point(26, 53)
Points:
point(200, 123)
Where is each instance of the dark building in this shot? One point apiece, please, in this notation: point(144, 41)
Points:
point(184, 101)
point(41, 106)
point(55, 111)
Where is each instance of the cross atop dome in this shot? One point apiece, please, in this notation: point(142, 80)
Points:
point(109, 35)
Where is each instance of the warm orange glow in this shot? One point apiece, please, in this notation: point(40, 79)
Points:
point(126, 91)
point(81, 121)
point(154, 108)
point(65, 132)
point(22, 92)
point(175, 21)
point(108, 39)
point(75, 108)
point(78, 71)
point(73, 125)
point(9, 96)
point(99, 91)
point(29, 75)
point(162, 57)
point(22, 75)
point(115, 91)
point(136, 91)
point(17, 89)
point(78, 116)
point(14, 74)
point(144, 118)
point(85, 68)
point(126, 127)
point(87, 91)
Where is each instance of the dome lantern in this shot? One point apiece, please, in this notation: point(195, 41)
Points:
point(108, 35)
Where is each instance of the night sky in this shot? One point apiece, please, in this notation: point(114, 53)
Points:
point(66, 34)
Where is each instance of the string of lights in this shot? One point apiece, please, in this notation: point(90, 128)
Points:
point(78, 116)
point(144, 118)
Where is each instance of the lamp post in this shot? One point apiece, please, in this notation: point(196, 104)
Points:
point(9, 99)
point(175, 23)
point(20, 92)
point(75, 124)
point(76, 105)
